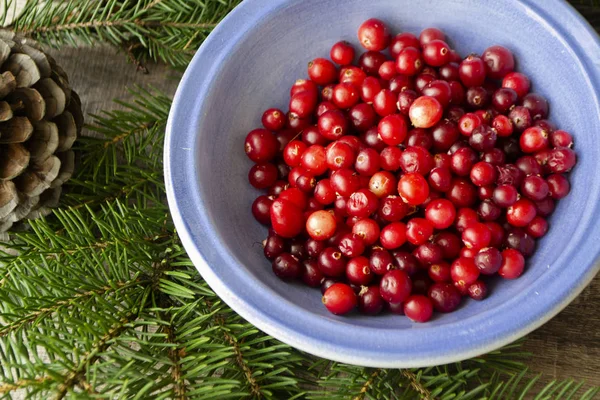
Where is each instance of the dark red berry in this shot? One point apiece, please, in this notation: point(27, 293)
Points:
point(322, 71)
point(368, 230)
point(413, 188)
point(444, 296)
point(517, 82)
point(395, 286)
point(488, 260)
point(373, 34)
point(261, 209)
point(483, 174)
point(401, 41)
point(419, 230)
point(332, 124)
point(464, 271)
point(393, 235)
point(362, 203)
point(477, 290)
point(273, 119)
point(503, 99)
point(499, 61)
point(261, 145)
point(441, 213)
point(521, 213)
point(370, 301)
point(384, 102)
point(409, 61)
point(462, 193)
point(472, 71)
point(287, 267)
point(436, 53)
point(371, 61)
point(561, 139)
point(393, 129)
point(561, 160)
point(429, 34)
point(533, 139)
point(274, 246)
point(558, 186)
point(476, 236)
point(536, 104)
point(535, 187)
point(520, 118)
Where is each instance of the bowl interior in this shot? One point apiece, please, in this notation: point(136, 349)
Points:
point(256, 72)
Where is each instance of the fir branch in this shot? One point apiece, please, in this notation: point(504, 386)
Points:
point(175, 357)
point(416, 384)
point(22, 384)
point(75, 377)
point(239, 359)
point(367, 385)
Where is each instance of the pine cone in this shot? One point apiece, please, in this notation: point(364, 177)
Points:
point(40, 118)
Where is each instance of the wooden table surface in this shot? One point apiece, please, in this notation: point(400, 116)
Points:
point(567, 346)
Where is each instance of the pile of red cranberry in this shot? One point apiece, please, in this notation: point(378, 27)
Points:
point(402, 183)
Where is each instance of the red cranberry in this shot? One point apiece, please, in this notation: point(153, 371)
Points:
point(342, 53)
point(476, 236)
point(477, 97)
point(468, 122)
point(489, 211)
point(351, 245)
point(332, 124)
point(449, 72)
point(472, 71)
point(353, 75)
point(369, 88)
point(344, 181)
point(362, 203)
point(558, 186)
point(529, 165)
point(441, 213)
point(302, 85)
point(517, 82)
point(465, 217)
point(521, 213)
point(449, 243)
point(413, 188)
point(509, 174)
point(324, 193)
point(462, 193)
point(420, 137)
point(428, 253)
point(340, 299)
point(345, 95)
point(326, 283)
point(311, 276)
point(273, 119)
point(303, 104)
point(358, 272)
point(533, 139)
point(457, 98)
point(464, 271)
point(322, 71)
point(405, 100)
point(286, 267)
point(436, 53)
point(444, 134)
point(521, 118)
point(536, 104)
point(392, 129)
point(400, 83)
point(444, 296)
point(503, 99)
point(545, 207)
point(311, 136)
point(486, 192)
point(373, 34)
point(409, 61)
point(339, 155)
point(286, 218)
point(292, 153)
point(418, 308)
point(483, 174)
point(421, 283)
point(401, 41)
point(497, 233)
point(370, 62)
point(416, 159)
point(505, 195)
point(261, 145)
point(370, 301)
point(393, 235)
point(263, 176)
point(425, 112)
point(513, 264)
point(561, 139)
point(321, 225)
point(395, 286)
point(306, 182)
point(387, 70)
point(314, 247)
point(440, 179)
point(477, 290)
point(499, 61)
point(488, 260)
point(442, 160)
point(384, 102)
point(274, 246)
point(392, 208)
point(503, 125)
point(368, 230)
point(537, 228)
point(371, 139)
point(367, 162)
point(439, 272)
point(383, 184)
point(261, 209)
point(561, 160)
point(422, 80)
point(535, 188)
point(429, 34)
point(314, 160)
point(418, 230)
point(463, 160)
point(332, 263)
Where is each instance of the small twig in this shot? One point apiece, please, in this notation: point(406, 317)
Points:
point(62, 303)
point(22, 383)
point(139, 66)
point(76, 376)
point(175, 357)
point(365, 388)
point(239, 358)
point(416, 385)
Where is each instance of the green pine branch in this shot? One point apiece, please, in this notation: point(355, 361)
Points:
point(165, 30)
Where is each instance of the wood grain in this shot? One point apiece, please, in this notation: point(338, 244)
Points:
point(566, 347)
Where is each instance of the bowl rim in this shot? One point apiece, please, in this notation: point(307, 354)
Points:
point(187, 209)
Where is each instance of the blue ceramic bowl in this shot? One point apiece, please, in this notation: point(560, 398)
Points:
point(248, 64)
